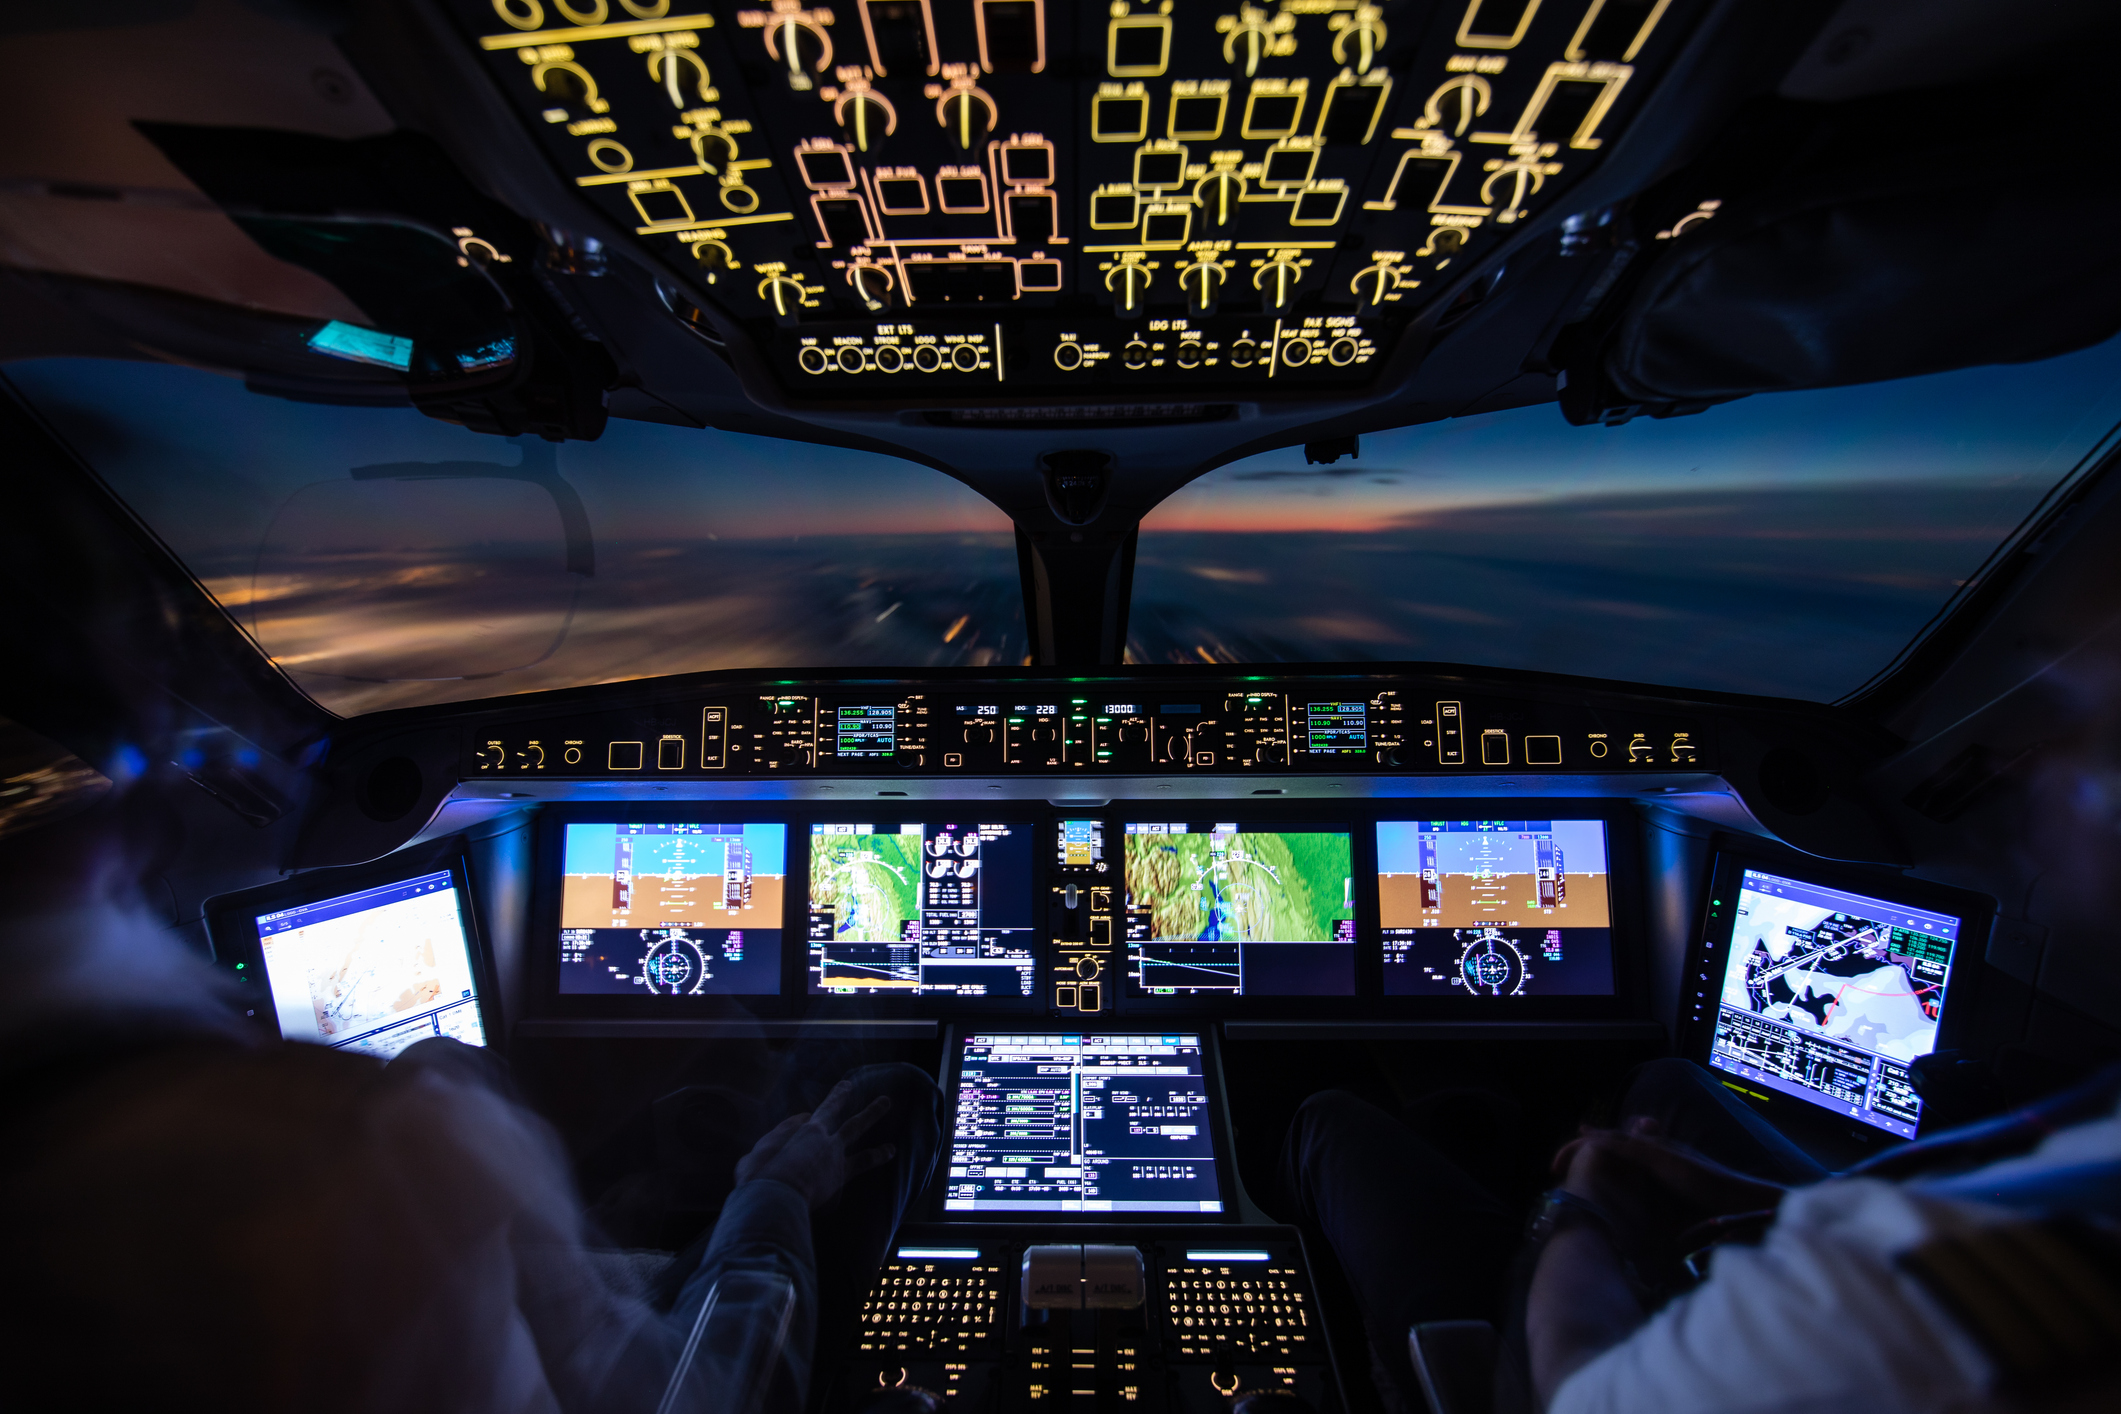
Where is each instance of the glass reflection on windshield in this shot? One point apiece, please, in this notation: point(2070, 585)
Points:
point(430, 564)
point(1788, 545)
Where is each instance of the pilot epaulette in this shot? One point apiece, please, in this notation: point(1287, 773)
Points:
point(2041, 1297)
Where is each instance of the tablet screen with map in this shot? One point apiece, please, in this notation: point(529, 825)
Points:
point(1495, 908)
point(672, 909)
point(922, 908)
point(374, 971)
point(1829, 995)
point(1239, 909)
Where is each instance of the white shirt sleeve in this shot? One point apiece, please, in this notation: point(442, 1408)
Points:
point(1817, 1318)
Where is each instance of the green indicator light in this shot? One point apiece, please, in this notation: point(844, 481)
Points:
point(240, 966)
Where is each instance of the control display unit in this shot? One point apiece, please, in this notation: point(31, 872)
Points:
point(939, 908)
point(672, 909)
point(1083, 1123)
point(1239, 909)
point(1495, 908)
point(1822, 990)
point(374, 969)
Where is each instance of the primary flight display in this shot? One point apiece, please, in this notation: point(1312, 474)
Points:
point(672, 909)
point(1495, 908)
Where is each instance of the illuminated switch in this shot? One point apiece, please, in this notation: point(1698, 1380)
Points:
point(624, 756)
point(901, 36)
point(1064, 997)
point(1012, 38)
point(1450, 734)
point(1542, 751)
point(1112, 210)
point(829, 170)
point(1494, 747)
point(1027, 166)
point(670, 753)
point(1031, 216)
point(1092, 994)
point(1351, 112)
point(842, 221)
point(1119, 117)
point(1198, 116)
point(1159, 170)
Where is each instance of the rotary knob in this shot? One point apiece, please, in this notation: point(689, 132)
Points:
point(1277, 281)
point(1373, 283)
point(490, 758)
point(715, 259)
point(801, 48)
point(873, 284)
point(715, 149)
point(1203, 284)
point(967, 114)
point(866, 118)
point(1249, 40)
point(1129, 285)
point(1271, 753)
point(784, 296)
point(1218, 194)
point(1360, 39)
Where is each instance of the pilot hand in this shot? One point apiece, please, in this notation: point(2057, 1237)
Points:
point(1653, 1187)
point(814, 1153)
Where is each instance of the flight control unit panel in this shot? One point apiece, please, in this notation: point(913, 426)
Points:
point(1259, 726)
point(906, 198)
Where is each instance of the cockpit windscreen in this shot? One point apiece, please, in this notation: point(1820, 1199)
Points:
point(682, 909)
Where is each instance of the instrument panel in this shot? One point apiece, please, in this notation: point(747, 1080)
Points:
point(1089, 728)
point(906, 198)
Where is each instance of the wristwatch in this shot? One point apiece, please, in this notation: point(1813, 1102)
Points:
point(1559, 1208)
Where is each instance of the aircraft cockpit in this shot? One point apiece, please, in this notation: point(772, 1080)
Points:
point(1145, 560)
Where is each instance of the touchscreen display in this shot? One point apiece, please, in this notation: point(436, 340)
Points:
point(1076, 1123)
point(1495, 908)
point(933, 908)
point(374, 971)
point(672, 910)
point(1828, 995)
point(1245, 910)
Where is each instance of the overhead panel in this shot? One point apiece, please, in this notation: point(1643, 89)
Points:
point(1006, 197)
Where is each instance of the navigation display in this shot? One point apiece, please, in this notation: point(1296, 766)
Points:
point(939, 909)
point(1076, 1123)
point(1239, 909)
point(682, 909)
point(1495, 908)
point(374, 971)
point(1828, 995)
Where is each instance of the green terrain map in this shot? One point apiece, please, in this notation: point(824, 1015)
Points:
point(871, 883)
point(1242, 888)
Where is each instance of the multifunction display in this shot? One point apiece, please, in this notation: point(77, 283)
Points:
point(1829, 996)
point(929, 908)
point(672, 909)
point(1241, 909)
point(1495, 908)
point(1082, 1123)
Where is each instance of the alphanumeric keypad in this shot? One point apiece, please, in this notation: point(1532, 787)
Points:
point(939, 1308)
point(1257, 1313)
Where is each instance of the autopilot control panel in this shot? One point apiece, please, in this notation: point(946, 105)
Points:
point(906, 198)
